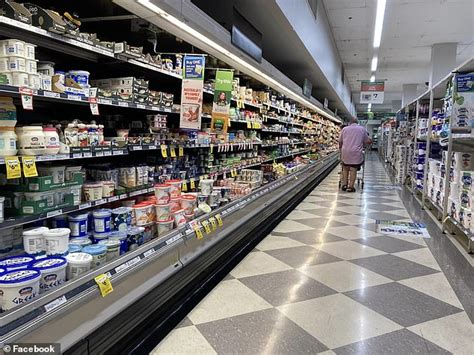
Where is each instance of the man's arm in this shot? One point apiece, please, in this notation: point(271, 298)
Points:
point(367, 139)
point(340, 138)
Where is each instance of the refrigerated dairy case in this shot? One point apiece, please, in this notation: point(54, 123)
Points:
point(147, 280)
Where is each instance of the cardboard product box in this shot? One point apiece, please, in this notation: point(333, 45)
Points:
point(465, 218)
point(454, 191)
point(463, 101)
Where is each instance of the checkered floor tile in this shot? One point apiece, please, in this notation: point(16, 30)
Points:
point(324, 281)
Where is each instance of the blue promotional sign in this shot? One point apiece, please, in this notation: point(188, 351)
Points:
point(193, 67)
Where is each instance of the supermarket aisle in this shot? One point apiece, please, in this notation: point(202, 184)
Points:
point(324, 281)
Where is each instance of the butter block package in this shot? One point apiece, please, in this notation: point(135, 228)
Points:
point(466, 179)
point(465, 218)
point(466, 199)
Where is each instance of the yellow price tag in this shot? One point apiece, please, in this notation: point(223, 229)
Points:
point(164, 152)
point(211, 147)
point(29, 166)
point(13, 167)
point(172, 152)
point(184, 186)
point(181, 151)
point(249, 124)
point(198, 231)
point(105, 286)
point(192, 184)
point(213, 223)
point(206, 226)
point(219, 219)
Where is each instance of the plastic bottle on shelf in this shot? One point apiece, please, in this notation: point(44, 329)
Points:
point(93, 133)
point(71, 135)
point(101, 134)
point(82, 135)
point(8, 140)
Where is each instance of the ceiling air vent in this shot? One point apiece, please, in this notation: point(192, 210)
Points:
point(313, 4)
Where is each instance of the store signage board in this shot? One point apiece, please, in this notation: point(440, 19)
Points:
point(222, 99)
point(398, 228)
point(307, 88)
point(372, 92)
point(191, 92)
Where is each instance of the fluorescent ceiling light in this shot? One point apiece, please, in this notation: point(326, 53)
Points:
point(379, 22)
point(175, 21)
point(372, 78)
point(369, 106)
point(375, 61)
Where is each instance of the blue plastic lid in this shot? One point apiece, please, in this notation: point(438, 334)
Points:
point(49, 263)
point(16, 276)
point(16, 261)
point(95, 249)
point(2, 271)
point(118, 235)
point(101, 236)
point(74, 248)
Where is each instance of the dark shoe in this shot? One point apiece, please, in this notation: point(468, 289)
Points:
point(351, 189)
point(344, 187)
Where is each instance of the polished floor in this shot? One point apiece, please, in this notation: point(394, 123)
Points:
point(325, 282)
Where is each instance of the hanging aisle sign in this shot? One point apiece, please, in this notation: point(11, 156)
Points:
point(372, 92)
point(222, 98)
point(191, 92)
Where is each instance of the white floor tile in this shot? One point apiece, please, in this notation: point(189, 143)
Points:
point(187, 340)
point(344, 276)
point(454, 333)
point(307, 206)
point(258, 263)
point(274, 242)
point(435, 285)
point(421, 256)
point(337, 320)
point(351, 232)
point(289, 226)
point(229, 298)
point(300, 214)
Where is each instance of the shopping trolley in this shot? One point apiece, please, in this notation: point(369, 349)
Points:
point(360, 171)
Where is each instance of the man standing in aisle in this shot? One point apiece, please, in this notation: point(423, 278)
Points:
point(352, 141)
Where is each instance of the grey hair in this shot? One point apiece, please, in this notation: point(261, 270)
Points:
point(354, 120)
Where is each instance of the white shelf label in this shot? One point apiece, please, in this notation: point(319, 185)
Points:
point(172, 240)
point(113, 198)
point(51, 94)
point(107, 153)
point(122, 196)
point(105, 101)
point(55, 304)
point(149, 252)
point(123, 104)
point(118, 152)
point(87, 154)
point(127, 265)
point(54, 213)
point(74, 97)
point(140, 106)
point(100, 202)
point(85, 205)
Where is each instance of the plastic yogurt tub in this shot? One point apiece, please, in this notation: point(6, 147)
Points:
point(82, 241)
point(16, 64)
point(78, 225)
point(98, 237)
point(206, 186)
point(188, 203)
point(30, 138)
point(77, 264)
point(57, 241)
point(162, 193)
point(53, 272)
point(30, 51)
point(165, 226)
point(74, 248)
point(16, 262)
point(179, 219)
point(144, 213)
point(51, 141)
point(122, 237)
point(33, 240)
point(81, 77)
point(57, 172)
point(8, 140)
point(102, 220)
point(134, 237)
point(175, 188)
point(175, 204)
point(98, 252)
point(11, 47)
point(113, 248)
point(60, 221)
point(163, 211)
point(189, 216)
point(92, 191)
point(150, 232)
point(18, 287)
point(122, 218)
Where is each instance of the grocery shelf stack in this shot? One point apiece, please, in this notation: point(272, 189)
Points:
point(99, 180)
point(442, 168)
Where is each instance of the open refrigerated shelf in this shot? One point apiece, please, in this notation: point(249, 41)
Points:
point(60, 315)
